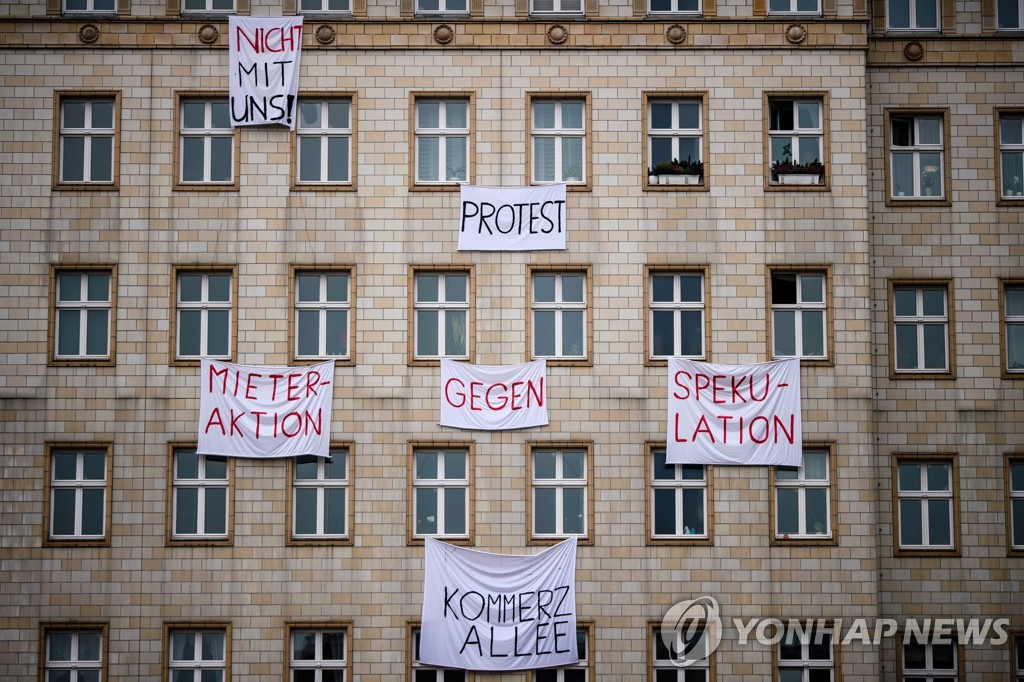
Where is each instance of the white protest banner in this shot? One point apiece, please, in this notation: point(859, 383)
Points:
point(485, 611)
point(734, 414)
point(512, 218)
point(493, 397)
point(263, 58)
point(248, 411)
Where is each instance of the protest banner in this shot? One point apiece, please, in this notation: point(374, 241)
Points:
point(263, 59)
point(485, 611)
point(512, 218)
point(493, 397)
point(734, 414)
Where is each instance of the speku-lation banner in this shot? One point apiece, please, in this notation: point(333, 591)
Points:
point(263, 59)
point(251, 411)
point(512, 218)
point(484, 611)
point(493, 397)
point(734, 414)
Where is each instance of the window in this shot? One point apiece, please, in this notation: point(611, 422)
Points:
point(558, 137)
point(207, 142)
point(1011, 153)
point(442, 139)
point(674, 7)
point(796, 139)
point(675, 137)
point(560, 491)
point(679, 499)
point(1015, 505)
point(82, 315)
point(441, 309)
point(87, 128)
point(324, 6)
point(89, 6)
point(690, 664)
point(806, 654)
point(1013, 320)
point(556, 7)
point(929, 662)
point(921, 328)
point(559, 315)
point(794, 7)
point(198, 656)
point(916, 158)
point(317, 655)
point(74, 655)
point(913, 15)
point(443, 7)
point(677, 326)
point(324, 141)
point(188, 6)
point(204, 313)
point(925, 501)
point(322, 314)
point(426, 673)
point(320, 497)
point(580, 672)
point(440, 492)
point(200, 489)
point(1009, 15)
point(803, 504)
point(1018, 658)
point(78, 482)
point(799, 324)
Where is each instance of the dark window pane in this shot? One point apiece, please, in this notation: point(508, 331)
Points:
point(186, 511)
point(63, 512)
point(334, 512)
point(664, 511)
point(662, 470)
point(309, 332)
point(101, 161)
point(691, 341)
point(96, 332)
point(788, 511)
point(544, 510)
point(215, 521)
point(305, 511)
point(337, 332)
point(92, 511)
point(783, 289)
point(69, 332)
point(73, 168)
point(693, 512)
point(663, 288)
point(334, 646)
point(910, 523)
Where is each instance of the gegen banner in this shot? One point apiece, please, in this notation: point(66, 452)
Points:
point(263, 58)
point(512, 218)
point(249, 411)
point(493, 397)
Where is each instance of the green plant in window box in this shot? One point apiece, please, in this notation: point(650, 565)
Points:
point(788, 172)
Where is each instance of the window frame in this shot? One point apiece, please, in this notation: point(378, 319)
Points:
point(294, 539)
point(79, 484)
point(899, 550)
point(60, 97)
point(52, 338)
point(1013, 495)
point(412, 632)
point(918, 285)
point(1005, 320)
point(326, 13)
point(943, 199)
point(205, 539)
point(822, 99)
point(587, 484)
point(655, 664)
point(89, 11)
point(195, 627)
point(791, 12)
point(532, 97)
point(208, 10)
point(1008, 29)
point(827, 307)
point(925, 674)
point(808, 629)
point(650, 271)
point(415, 271)
point(558, 12)
point(294, 306)
point(912, 13)
point(699, 12)
point(587, 359)
point(351, 133)
point(1001, 148)
point(831, 487)
point(707, 484)
point(675, 97)
point(47, 628)
point(319, 627)
point(208, 97)
point(1017, 655)
point(586, 663)
point(444, 96)
point(176, 272)
point(469, 447)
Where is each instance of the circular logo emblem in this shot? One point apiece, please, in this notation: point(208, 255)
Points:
point(692, 630)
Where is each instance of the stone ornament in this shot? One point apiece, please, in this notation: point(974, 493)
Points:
point(558, 34)
point(796, 33)
point(675, 34)
point(208, 34)
point(89, 33)
point(444, 34)
point(913, 51)
point(325, 34)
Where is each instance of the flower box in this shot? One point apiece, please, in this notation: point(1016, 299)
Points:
point(799, 179)
point(679, 179)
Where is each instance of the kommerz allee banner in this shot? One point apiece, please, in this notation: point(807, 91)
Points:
point(734, 414)
point(512, 218)
point(493, 397)
point(250, 411)
point(263, 58)
point(485, 611)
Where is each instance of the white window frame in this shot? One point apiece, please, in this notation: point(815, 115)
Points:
point(1011, 188)
point(558, 7)
point(558, 133)
point(559, 484)
point(441, 484)
point(202, 484)
point(75, 665)
point(807, 634)
point(793, 8)
point(323, 307)
point(442, 307)
point(1011, 321)
point(558, 674)
point(90, 7)
point(929, 672)
point(801, 484)
point(1016, 502)
point(559, 306)
point(305, 10)
point(916, 149)
point(675, 132)
point(442, 133)
point(324, 133)
point(677, 306)
point(441, 674)
point(920, 321)
point(320, 485)
point(197, 666)
point(1020, 17)
point(205, 306)
point(206, 134)
point(84, 306)
point(923, 497)
point(79, 485)
point(208, 7)
point(319, 664)
point(88, 132)
point(442, 9)
point(797, 132)
point(678, 485)
point(912, 18)
point(675, 4)
point(798, 309)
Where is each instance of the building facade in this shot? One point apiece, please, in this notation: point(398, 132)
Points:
point(141, 232)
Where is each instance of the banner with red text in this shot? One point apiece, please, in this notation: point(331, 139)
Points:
point(734, 414)
point(485, 611)
point(250, 411)
point(512, 218)
point(263, 58)
point(493, 397)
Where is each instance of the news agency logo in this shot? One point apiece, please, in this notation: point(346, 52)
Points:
point(692, 630)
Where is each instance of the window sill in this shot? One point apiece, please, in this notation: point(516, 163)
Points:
point(565, 362)
point(319, 542)
point(681, 541)
point(200, 542)
point(671, 15)
point(547, 542)
point(195, 362)
point(76, 542)
point(338, 361)
point(460, 541)
point(462, 14)
point(323, 187)
point(799, 183)
point(940, 376)
point(1014, 375)
point(85, 187)
point(205, 187)
point(84, 362)
point(924, 552)
point(569, 186)
point(809, 362)
point(435, 362)
point(338, 15)
point(804, 541)
point(437, 187)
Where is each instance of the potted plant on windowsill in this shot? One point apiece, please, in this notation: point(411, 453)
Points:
point(675, 172)
point(786, 172)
